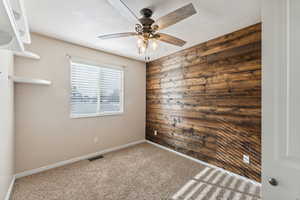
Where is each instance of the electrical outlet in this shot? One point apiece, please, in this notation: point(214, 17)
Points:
point(155, 132)
point(246, 159)
point(96, 140)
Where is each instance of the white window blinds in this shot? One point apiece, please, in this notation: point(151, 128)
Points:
point(96, 90)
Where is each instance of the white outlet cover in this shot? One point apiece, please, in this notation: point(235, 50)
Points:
point(246, 159)
point(155, 132)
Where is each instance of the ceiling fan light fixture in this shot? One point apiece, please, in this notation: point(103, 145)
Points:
point(154, 44)
point(142, 44)
point(143, 49)
point(139, 41)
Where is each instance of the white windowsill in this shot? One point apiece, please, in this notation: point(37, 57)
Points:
point(96, 115)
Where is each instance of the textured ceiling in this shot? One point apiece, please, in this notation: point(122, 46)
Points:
point(81, 21)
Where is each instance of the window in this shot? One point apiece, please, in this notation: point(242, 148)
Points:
point(96, 90)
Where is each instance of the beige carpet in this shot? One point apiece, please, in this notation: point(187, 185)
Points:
point(142, 172)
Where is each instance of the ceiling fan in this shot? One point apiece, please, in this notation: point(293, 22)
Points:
point(147, 29)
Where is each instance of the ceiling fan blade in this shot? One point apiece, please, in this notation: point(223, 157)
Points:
point(171, 39)
point(176, 16)
point(117, 35)
point(124, 10)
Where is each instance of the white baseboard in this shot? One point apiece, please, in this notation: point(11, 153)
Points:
point(203, 163)
point(62, 163)
point(8, 194)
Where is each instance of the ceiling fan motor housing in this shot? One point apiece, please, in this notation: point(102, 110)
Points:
point(146, 12)
point(146, 20)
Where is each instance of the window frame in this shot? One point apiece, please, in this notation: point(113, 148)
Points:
point(122, 93)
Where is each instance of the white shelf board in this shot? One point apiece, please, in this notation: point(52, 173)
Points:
point(18, 79)
point(27, 54)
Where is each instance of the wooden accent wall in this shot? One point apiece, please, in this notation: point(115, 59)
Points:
point(205, 101)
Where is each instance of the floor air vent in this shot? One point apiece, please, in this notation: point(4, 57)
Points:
point(95, 158)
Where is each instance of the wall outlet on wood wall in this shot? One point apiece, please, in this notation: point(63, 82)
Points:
point(155, 132)
point(246, 159)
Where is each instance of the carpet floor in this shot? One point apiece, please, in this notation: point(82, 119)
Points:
point(141, 172)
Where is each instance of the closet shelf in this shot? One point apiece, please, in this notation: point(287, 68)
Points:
point(27, 54)
point(18, 79)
